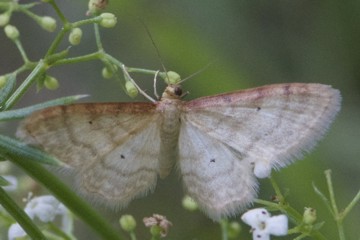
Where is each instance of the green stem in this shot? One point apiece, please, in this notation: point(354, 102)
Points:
point(22, 51)
point(58, 12)
point(224, 233)
point(351, 205)
point(20, 91)
point(84, 58)
point(338, 219)
point(56, 42)
point(132, 236)
point(97, 37)
point(20, 216)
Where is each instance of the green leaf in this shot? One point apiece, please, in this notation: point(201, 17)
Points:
point(10, 146)
point(3, 182)
point(8, 88)
point(23, 112)
point(20, 216)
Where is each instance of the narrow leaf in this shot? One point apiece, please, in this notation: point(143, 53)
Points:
point(6, 90)
point(23, 112)
point(20, 149)
point(3, 182)
point(20, 216)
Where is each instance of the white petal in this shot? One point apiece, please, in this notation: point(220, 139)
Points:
point(260, 235)
point(15, 231)
point(255, 217)
point(277, 225)
point(44, 207)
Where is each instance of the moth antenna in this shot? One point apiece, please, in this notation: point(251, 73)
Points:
point(153, 43)
point(196, 73)
point(157, 52)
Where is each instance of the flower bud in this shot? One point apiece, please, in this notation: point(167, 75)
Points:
point(4, 19)
point(108, 20)
point(155, 231)
point(309, 216)
point(233, 230)
point(75, 36)
point(51, 83)
point(11, 32)
point(131, 89)
point(189, 204)
point(48, 23)
point(95, 6)
point(158, 224)
point(108, 73)
point(128, 223)
point(170, 77)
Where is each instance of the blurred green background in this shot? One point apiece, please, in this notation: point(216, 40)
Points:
point(248, 43)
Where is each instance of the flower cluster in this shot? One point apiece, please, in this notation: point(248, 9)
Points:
point(158, 224)
point(263, 225)
point(45, 208)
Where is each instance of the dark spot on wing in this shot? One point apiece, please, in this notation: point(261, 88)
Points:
point(90, 122)
point(258, 108)
point(122, 156)
point(212, 160)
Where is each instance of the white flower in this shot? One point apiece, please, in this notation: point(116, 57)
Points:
point(46, 208)
point(15, 231)
point(263, 225)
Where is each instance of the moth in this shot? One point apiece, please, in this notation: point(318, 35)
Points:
point(221, 144)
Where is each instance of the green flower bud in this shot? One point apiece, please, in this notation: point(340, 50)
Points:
point(108, 20)
point(75, 36)
point(189, 204)
point(309, 216)
point(131, 89)
point(234, 229)
point(11, 32)
point(170, 77)
point(128, 223)
point(48, 23)
point(156, 231)
point(106, 73)
point(51, 83)
point(3, 80)
point(4, 19)
point(95, 6)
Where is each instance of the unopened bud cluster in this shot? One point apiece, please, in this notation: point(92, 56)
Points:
point(170, 77)
point(108, 20)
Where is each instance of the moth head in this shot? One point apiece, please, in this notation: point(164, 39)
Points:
point(172, 91)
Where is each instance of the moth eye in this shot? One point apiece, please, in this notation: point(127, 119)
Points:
point(178, 91)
